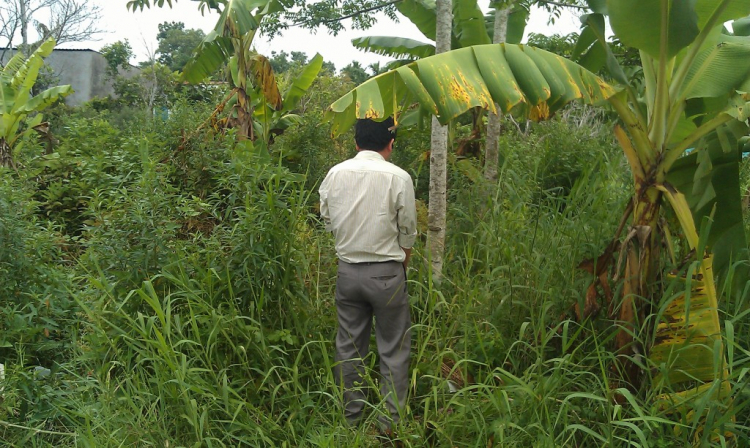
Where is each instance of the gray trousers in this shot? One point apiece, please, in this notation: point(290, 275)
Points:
point(365, 290)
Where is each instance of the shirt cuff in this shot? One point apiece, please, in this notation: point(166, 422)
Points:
point(406, 241)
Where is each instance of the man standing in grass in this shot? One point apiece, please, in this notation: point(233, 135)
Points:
point(368, 204)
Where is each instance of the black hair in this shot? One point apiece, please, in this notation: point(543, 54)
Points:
point(374, 135)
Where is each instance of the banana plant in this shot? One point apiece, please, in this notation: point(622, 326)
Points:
point(697, 88)
point(253, 82)
point(17, 79)
point(268, 120)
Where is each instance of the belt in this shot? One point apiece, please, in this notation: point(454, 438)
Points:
point(370, 263)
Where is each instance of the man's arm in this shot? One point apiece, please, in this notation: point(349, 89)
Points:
point(407, 220)
point(408, 255)
point(324, 214)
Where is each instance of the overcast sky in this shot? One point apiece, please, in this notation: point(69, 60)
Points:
point(140, 28)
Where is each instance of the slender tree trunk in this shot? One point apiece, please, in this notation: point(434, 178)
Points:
point(24, 23)
point(494, 122)
point(6, 157)
point(436, 219)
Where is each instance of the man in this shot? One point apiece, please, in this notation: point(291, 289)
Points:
point(368, 204)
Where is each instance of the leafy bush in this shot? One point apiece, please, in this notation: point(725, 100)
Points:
point(37, 314)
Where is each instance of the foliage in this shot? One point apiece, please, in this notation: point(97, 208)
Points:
point(176, 44)
point(556, 43)
point(17, 79)
point(355, 73)
point(118, 56)
point(282, 61)
point(155, 86)
point(695, 83)
point(194, 293)
point(37, 324)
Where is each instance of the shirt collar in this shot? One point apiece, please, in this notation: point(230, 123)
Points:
point(369, 155)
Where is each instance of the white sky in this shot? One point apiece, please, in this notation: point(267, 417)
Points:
point(140, 28)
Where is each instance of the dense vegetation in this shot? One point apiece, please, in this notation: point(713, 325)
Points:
point(162, 286)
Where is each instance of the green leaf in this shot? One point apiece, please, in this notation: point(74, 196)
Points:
point(468, 24)
point(44, 99)
point(599, 53)
point(598, 6)
point(639, 23)
point(517, 20)
point(728, 10)
point(396, 47)
point(302, 83)
point(211, 54)
point(709, 178)
point(717, 70)
point(422, 14)
point(741, 27)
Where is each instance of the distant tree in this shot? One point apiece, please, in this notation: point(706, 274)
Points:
point(61, 20)
point(355, 72)
point(118, 56)
point(556, 43)
point(329, 67)
point(377, 68)
point(176, 44)
point(154, 87)
point(280, 61)
point(299, 57)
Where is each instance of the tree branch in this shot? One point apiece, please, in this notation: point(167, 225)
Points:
point(562, 5)
point(349, 16)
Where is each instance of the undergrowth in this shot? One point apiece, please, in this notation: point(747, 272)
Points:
point(157, 294)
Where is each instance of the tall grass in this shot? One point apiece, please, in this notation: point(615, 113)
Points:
point(201, 312)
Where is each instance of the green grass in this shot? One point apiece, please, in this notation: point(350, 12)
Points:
point(195, 307)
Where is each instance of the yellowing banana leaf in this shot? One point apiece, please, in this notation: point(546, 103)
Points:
point(685, 337)
point(518, 77)
point(265, 81)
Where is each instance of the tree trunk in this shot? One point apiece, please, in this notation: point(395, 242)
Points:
point(436, 219)
point(6, 158)
point(24, 24)
point(494, 122)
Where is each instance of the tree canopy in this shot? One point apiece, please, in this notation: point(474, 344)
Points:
point(176, 44)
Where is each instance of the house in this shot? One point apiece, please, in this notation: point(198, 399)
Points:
point(84, 70)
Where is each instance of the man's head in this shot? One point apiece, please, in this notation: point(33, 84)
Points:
point(374, 135)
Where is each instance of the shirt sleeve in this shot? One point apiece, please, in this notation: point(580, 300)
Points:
point(324, 212)
point(407, 216)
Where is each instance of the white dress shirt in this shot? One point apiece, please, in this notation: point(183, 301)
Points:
point(368, 204)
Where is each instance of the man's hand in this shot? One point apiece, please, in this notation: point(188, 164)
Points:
point(408, 255)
